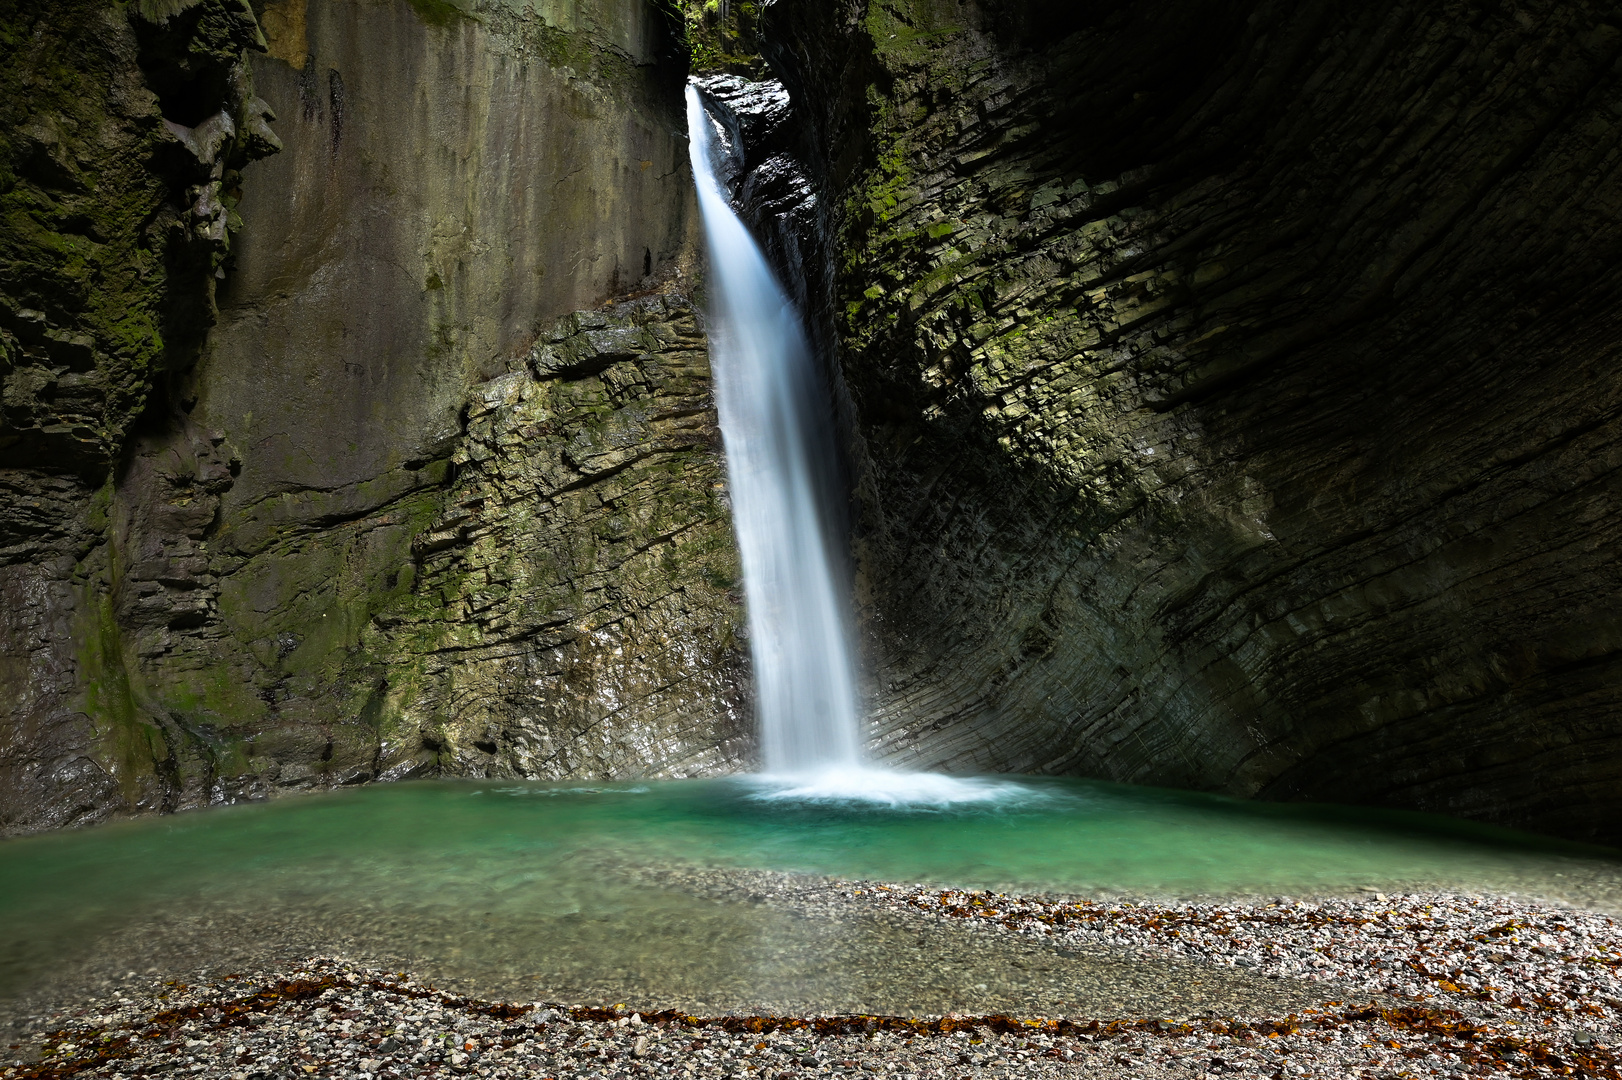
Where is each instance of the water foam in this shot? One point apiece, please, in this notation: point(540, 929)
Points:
point(862, 785)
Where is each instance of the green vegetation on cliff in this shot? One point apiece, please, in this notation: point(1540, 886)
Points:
point(720, 36)
point(123, 130)
point(116, 190)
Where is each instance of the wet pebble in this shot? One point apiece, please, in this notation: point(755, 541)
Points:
point(1440, 985)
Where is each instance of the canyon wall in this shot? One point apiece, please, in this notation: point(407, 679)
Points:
point(1229, 390)
point(123, 138)
point(1233, 390)
point(402, 496)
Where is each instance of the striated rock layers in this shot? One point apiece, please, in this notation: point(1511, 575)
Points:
point(1234, 390)
point(1230, 387)
point(576, 609)
point(123, 132)
point(311, 475)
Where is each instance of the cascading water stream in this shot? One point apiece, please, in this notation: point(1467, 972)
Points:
point(774, 422)
point(766, 391)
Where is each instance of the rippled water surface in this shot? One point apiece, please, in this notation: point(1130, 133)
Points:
point(653, 891)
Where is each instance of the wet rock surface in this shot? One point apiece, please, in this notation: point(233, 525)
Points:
point(1419, 984)
point(557, 596)
point(118, 191)
point(576, 608)
point(1228, 391)
point(253, 591)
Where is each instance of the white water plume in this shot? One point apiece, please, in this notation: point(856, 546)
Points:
point(769, 399)
point(774, 421)
point(868, 786)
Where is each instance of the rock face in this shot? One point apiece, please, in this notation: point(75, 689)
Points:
point(122, 139)
point(390, 516)
point(576, 607)
point(1229, 387)
point(1233, 390)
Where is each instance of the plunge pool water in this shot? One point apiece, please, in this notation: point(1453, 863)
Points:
point(673, 892)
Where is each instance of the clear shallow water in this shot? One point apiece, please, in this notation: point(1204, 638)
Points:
point(602, 891)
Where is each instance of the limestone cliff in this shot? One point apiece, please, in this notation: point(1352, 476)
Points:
point(1229, 389)
point(368, 509)
point(576, 609)
point(123, 133)
point(1233, 388)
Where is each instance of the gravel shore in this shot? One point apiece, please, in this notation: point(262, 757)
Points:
point(1416, 985)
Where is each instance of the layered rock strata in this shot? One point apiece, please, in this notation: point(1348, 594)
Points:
point(123, 133)
point(364, 528)
point(576, 608)
point(1233, 390)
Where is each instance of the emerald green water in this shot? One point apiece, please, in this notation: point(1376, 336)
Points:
point(626, 889)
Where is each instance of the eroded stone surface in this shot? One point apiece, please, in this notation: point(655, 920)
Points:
point(327, 553)
point(577, 609)
point(1230, 388)
point(124, 130)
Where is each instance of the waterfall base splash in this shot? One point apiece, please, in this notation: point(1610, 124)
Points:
point(865, 785)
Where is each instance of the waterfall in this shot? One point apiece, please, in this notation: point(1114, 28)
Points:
point(775, 421)
point(778, 452)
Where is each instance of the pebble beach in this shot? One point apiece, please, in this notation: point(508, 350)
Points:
point(1376, 986)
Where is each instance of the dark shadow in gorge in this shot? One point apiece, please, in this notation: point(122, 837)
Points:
point(1248, 426)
